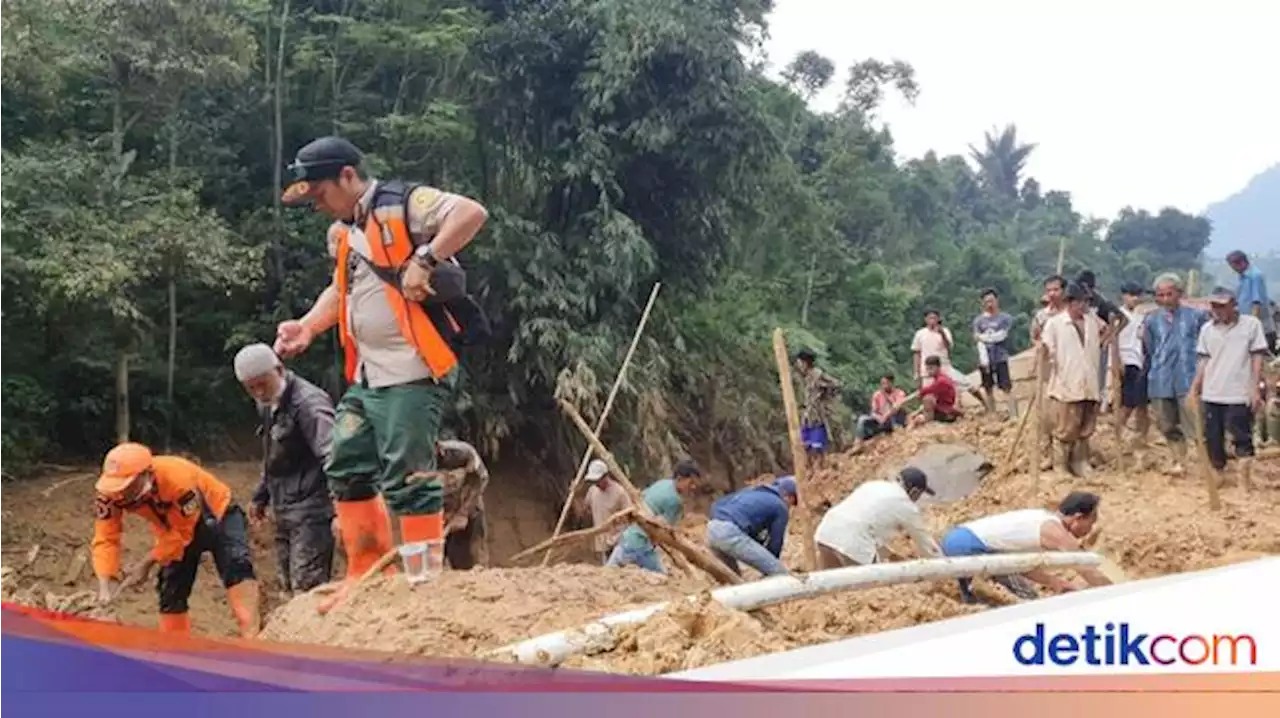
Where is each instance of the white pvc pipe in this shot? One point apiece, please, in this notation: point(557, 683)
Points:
point(552, 649)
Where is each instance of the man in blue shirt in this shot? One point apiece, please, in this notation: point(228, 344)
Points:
point(665, 499)
point(750, 526)
point(1252, 297)
point(1169, 337)
point(991, 330)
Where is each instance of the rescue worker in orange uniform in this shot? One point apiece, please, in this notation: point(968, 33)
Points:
point(190, 512)
point(388, 240)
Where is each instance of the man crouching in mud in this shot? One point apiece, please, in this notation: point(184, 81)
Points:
point(1029, 531)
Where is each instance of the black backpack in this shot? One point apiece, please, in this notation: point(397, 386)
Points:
point(449, 281)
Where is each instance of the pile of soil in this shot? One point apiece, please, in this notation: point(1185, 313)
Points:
point(463, 613)
point(1150, 523)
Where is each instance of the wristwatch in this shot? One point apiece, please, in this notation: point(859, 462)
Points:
point(426, 257)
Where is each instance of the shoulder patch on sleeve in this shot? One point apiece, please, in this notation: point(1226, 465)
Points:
point(189, 504)
point(102, 507)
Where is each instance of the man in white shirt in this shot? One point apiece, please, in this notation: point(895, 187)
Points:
point(1029, 531)
point(933, 339)
point(605, 497)
point(1071, 343)
point(1230, 351)
point(855, 531)
point(1133, 381)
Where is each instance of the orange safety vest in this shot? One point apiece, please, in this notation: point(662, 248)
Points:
point(387, 219)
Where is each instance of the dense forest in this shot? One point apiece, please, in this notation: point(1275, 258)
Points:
point(615, 143)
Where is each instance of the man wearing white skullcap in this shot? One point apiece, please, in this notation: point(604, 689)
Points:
point(296, 426)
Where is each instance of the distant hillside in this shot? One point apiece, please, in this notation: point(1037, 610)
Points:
point(1249, 219)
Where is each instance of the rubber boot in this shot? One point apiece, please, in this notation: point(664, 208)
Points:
point(1080, 459)
point(1246, 472)
point(175, 623)
point(244, 598)
point(1062, 458)
point(423, 528)
point(365, 527)
point(1179, 451)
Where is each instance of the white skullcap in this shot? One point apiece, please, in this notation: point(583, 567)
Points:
point(255, 360)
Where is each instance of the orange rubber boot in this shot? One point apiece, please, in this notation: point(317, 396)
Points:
point(175, 622)
point(365, 527)
point(423, 528)
point(426, 527)
point(244, 598)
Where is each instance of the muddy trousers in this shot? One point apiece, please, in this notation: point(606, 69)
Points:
point(1221, 419)
point(383, 437)
point(464, 549)
point(227, 540)
point(960, 541)
point(304, 548)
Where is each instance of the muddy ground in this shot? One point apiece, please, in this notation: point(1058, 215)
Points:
point(1151, 524)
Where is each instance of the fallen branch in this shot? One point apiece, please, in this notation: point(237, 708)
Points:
point(658, 531)
point(554, 648)
point(623, 516)
point(59, 484)
point(604, 415)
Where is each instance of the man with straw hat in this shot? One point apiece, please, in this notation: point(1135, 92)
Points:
point(189, 512)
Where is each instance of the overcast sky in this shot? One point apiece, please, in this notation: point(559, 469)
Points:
point(1132, 102)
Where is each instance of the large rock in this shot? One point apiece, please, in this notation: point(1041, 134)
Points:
point(954, 470)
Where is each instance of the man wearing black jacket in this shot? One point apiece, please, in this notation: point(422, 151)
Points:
point(296, 426)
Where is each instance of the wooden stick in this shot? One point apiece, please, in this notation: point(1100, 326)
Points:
point(1062, 253)
point(378, 567)
point(798, 455)
point(608, 405)
point(658, 531)
point(1017, 438)
point(622, 516)
point(1192, 277)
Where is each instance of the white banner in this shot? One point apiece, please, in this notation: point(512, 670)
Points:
point(1217, 621)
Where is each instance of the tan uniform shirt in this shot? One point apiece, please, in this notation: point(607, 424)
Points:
point(386, 357)
point(1074, 357)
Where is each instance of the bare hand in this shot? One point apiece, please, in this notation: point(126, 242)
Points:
point(137, 574)
point(336, 528)
point(415, 283)
point(457, 523)
point(258, 513)
point(292, 338)
point(106, 591)
point(1256, 399)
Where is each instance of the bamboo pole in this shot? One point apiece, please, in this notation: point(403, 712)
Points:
point(1062, 254)
point(798, 456)
point(658, 531)
point(608, 405)
point(1207, 471)
point(621, 517)
point(554, 648)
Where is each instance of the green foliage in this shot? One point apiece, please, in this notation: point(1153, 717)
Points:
point(616, 144)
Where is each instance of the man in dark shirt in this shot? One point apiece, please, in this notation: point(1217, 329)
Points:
point(296, 426)
point(1115, 320)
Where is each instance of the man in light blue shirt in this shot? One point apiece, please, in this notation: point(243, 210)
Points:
point(1169, 337)
point(665, 500)
point(1252, 297)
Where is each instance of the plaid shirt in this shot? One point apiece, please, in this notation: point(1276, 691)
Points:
point(1169, 339)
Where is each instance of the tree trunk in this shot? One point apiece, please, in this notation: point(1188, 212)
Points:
point(122, 396)
point(277, 146)
point(170, 409)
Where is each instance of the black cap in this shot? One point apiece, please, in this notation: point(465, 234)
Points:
point(1075, 291)
point(1133, 289)
point(319, 159)
point(1222, 295)
point(913, 478)
point(807, 355)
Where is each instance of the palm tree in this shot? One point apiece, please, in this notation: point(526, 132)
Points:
point(1002, 160)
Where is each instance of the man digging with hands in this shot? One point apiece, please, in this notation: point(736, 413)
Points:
point(388, 240)
point(189, 512)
